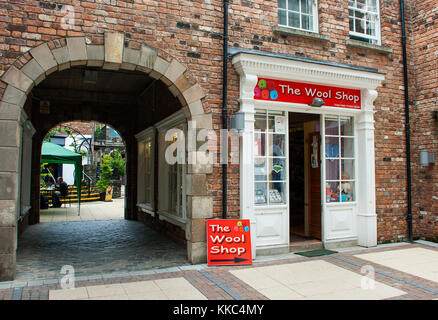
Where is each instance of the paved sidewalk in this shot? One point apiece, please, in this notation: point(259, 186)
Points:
point(98, 210)
point(337, 276)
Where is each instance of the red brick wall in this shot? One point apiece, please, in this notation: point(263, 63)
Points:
point(190, 31)
point(424, 74)
point(85, 128)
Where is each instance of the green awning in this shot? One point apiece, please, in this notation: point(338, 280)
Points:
point(53, 153)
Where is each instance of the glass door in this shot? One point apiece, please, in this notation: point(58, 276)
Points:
point(339, 179)
point(271, 175)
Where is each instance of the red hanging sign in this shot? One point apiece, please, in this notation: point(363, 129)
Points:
point(228, 242)
point(298, 92)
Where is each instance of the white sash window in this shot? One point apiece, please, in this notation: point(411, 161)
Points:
point(364, 20)
point(298, 14)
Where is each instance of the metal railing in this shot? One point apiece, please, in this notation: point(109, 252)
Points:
point(89, 182)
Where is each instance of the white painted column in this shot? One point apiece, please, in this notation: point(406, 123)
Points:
point(366, 197)
point(247, 84)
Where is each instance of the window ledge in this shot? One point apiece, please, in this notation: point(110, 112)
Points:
point(178, 221)
point(300, 33)
point(146, 208)
point(363, 45)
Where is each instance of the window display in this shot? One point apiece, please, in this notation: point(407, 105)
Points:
point(260, 193)
point(340, 159)
point(270, 157)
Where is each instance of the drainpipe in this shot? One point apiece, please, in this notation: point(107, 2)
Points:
point(407, 125)
point(225, 108)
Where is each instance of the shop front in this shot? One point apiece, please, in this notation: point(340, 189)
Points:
point(308, 151)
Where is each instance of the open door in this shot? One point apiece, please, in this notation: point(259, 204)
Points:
point(314, 145)
point(305, 174)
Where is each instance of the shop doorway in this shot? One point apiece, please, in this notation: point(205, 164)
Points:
point(304, 177)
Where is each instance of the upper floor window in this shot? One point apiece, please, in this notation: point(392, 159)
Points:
point(364, 20)
point(298, 14)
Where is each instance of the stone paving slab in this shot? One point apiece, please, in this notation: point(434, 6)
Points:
point(98, 210)
point(316, 279)
point(420, 262)
point(220, 283)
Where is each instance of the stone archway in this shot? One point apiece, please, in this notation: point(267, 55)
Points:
point(56, 55)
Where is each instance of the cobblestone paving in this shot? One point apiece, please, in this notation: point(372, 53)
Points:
point(93, 247)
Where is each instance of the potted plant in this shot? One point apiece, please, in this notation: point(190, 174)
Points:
point(118, 164)
point(104, 183)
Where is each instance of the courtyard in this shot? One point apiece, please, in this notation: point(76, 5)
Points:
point(98, 241)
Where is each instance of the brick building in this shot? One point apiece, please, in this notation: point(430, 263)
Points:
point(332, 168)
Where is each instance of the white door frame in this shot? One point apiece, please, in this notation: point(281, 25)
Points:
point(250, 67)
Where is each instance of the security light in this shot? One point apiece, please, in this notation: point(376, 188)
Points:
point(238, 121)
point(426, 158)
point(317, 102)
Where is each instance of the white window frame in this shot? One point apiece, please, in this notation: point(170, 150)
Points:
point(373, 39)
point(314, 4)
point(142, 138)
point(269, 158)
point(173, 121)
point(324, 157)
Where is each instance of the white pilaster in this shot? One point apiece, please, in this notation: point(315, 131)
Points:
point(366, 197)
point(247, 84)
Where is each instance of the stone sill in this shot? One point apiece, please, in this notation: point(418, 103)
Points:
point(363, 45)
point(146, 208)
point(178, 221)
point(300, 33)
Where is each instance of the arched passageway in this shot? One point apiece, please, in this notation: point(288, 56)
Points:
point(135, 90)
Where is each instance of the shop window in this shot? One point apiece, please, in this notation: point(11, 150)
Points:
point(340, 159)
point(175, 184)
point(270, 165)
point(298, 14)
point(145, 193)
point(171, 186)
point(148, 175)
point(364, 20)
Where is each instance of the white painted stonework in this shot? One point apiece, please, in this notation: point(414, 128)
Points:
point(341, 222)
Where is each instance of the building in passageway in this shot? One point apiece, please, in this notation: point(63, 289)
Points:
point(317, 90)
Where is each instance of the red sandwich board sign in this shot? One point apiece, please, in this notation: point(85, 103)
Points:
point(228, 242)
point(304, 93)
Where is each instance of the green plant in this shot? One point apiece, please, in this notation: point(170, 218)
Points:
point(107, 171)
point(69, 132)
point(97, 132)
point(51, 133)
point(43, 174)
point(117, 162)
